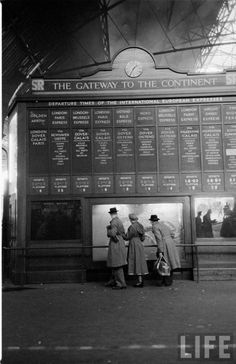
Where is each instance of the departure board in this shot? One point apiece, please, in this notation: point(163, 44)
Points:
point(38, 118)
point(39, 185)
point(120, 147)
point(125, 183)
point(81, 184)
point(167, 115)
point(124, 150)
point(212, 147)
point(38, 151)
point(59, 118)
point(168, 148)
point(210, 114)
point(103, 155)
point(190, 148)
point(189, 115)
point(230, 146)
point(60, 151)
point(146, 149)
point(123, 116)
point(145, 116)
point(147, 183)
point(81, 117)
point(81, 151)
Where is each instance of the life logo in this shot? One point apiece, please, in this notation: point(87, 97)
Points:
point(206, 347)
point(37, 85)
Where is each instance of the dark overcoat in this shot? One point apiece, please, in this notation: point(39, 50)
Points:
point(117, 255)
point(207, 226)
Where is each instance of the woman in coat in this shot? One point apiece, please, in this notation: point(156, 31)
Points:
point(136, 258)
point(165, 247)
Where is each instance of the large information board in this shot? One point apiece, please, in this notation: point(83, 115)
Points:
point(141, 147)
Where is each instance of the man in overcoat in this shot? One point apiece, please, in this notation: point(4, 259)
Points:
point(116, 257)
point(165, 247)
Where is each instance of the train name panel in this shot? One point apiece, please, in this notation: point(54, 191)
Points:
point(124, 150)
point(132, 149)
point(60, 151)
point(168, 148)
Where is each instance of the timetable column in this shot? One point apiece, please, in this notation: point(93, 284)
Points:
point(81, 150)
point(229, 125)
point(145, 118)
point(38, 151)
point(190, 148)
point(103, 160)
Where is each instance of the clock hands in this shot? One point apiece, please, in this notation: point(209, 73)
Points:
point(132, 69)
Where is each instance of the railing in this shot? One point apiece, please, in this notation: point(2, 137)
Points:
point(83, 247)
point(25, 250)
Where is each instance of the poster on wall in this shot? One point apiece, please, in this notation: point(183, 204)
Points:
point(169, 213)
point(215, 217)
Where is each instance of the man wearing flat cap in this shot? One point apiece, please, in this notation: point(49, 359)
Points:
point(116, 257)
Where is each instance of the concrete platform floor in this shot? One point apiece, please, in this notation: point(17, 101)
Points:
point(88, 323)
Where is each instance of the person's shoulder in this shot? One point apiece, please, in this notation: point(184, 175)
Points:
point(162, 225)
point(117, 220)
point(132, 228)
point(139, 223)
point(140, 226)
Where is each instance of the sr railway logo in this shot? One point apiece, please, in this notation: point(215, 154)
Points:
point(206, 347)
point(37, 85)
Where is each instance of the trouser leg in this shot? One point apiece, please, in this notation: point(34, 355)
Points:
point(140, 278)
point(112, 281)
point(120, 277)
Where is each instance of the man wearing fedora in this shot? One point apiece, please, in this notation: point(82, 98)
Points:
point(165, 247)
point(116, 257)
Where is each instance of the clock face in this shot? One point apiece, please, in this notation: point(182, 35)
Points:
point(133, 69)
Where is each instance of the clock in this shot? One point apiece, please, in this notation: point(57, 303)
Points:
point(133, 69)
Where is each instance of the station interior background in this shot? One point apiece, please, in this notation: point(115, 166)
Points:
point(72, 39)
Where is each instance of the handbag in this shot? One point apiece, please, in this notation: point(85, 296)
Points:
point(162, 267)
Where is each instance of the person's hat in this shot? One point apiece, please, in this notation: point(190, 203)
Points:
point(154, 218)
point(133, 217)
point(113, 210)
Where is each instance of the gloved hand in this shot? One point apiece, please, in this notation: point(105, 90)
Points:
point(159, 255)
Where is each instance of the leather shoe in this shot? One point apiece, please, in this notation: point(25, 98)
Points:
point(139, 285)
point(119, 287)
point(110, 284)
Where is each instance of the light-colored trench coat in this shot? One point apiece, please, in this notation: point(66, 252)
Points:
point(117, 254)
point(136, 256)
point(166, 244)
